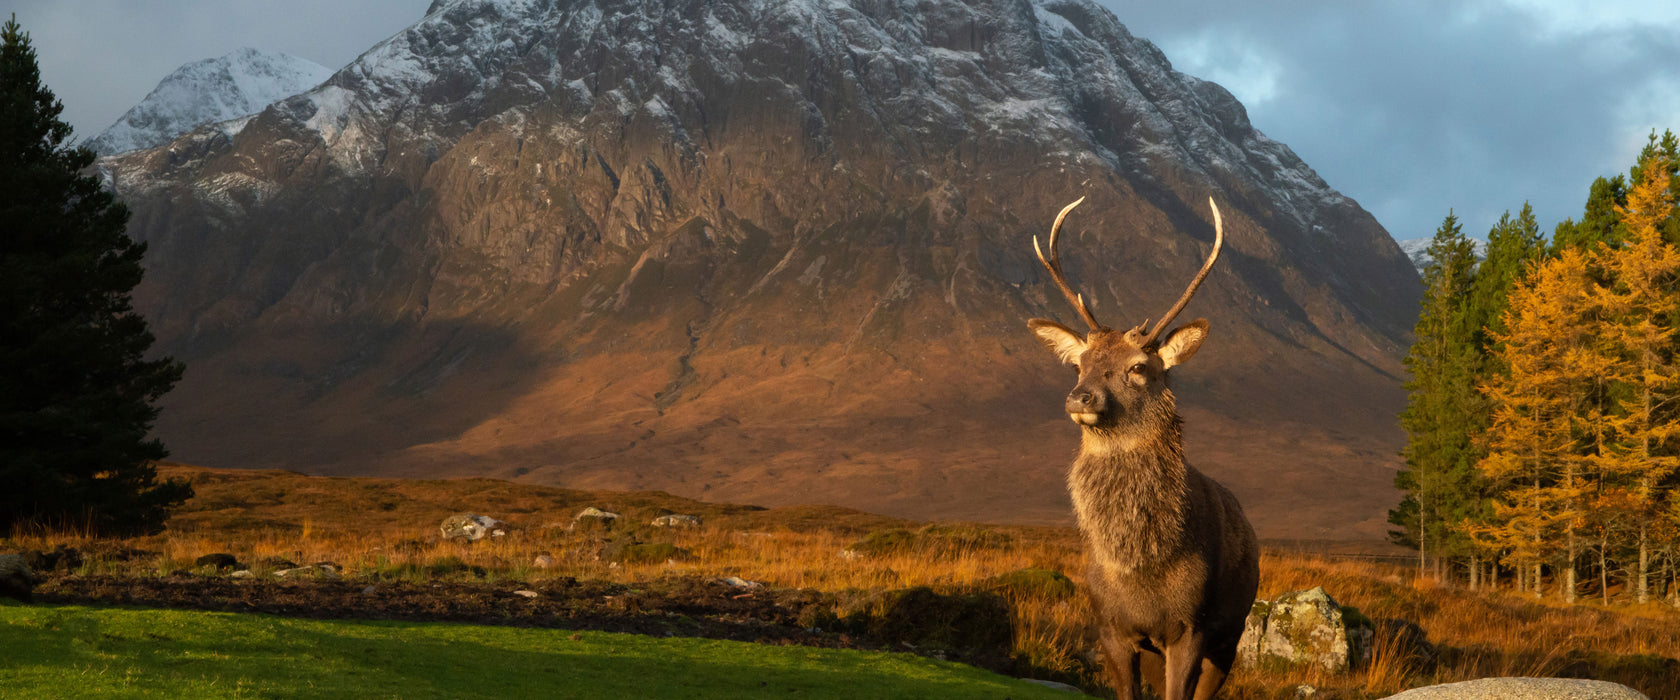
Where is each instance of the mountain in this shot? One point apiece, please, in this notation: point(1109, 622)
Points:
point(1417, 250)
point(770, 251)
point(209, 91)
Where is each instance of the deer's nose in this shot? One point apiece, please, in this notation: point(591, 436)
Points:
point(1083, 401)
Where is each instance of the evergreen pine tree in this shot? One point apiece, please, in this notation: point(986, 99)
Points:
point(76, 391)
point(1598, 222)
point(1443, 410)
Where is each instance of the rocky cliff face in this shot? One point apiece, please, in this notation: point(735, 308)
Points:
point(208, 91)
point(761, 251)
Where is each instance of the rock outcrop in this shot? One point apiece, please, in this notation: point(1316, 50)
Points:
point(1306, 628)
point(468, 527)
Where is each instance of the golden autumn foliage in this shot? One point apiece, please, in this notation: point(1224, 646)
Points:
point(1585, 434)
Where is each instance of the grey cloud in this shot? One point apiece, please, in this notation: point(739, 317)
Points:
point(1412, 108)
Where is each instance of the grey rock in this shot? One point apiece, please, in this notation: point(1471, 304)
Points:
point(242, 573)
point(675, 520)
point(1523, 689)
point(738, 582)
point(543, 561)
point(321, 569)
point(16, 580)
point(468, 527)
point(1304, 628)
point(593, 518)
point(525, 594)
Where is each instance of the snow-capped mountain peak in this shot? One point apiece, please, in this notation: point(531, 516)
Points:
point(207, 91)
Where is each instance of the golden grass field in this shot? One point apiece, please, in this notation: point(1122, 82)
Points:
point(366, 524)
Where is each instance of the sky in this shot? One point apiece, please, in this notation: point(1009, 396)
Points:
point(1412, 107)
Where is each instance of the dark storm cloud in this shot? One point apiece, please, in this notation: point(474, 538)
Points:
point(1414, 107)
point(1410, 107)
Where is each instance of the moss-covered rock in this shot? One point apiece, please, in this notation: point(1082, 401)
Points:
point(1306, 628)
point(1031, 583)
point(926, 618)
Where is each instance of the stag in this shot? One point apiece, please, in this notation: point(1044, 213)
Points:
point(1172, 561)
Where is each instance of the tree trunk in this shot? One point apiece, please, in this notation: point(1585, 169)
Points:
point(1643, 587)
point(1603, 572)
point(1569, 572)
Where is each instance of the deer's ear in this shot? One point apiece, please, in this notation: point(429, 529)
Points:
point(1183, 342)
point(1061, 340)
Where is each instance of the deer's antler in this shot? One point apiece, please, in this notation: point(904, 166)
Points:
point(1218, 240)
point(1054, 265)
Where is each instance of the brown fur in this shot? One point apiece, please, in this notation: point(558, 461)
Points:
point(1173, 563)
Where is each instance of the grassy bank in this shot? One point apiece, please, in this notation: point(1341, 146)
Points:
point(75, 651)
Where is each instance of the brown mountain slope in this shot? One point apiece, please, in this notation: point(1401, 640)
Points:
point(775, 253)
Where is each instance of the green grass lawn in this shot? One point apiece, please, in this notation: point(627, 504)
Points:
point(49, 651)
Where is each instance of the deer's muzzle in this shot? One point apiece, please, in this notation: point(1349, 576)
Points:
point(1085, 407)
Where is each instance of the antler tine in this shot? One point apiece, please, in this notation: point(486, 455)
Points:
point(1218, 240)
point(1054, 265)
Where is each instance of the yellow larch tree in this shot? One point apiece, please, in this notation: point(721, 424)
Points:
point(1639, 307)
point(1535, 443)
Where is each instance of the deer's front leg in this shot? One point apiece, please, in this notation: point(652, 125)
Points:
point(1184, 660)
point(1122, 664)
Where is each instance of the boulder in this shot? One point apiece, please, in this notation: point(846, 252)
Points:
point(467, 527)
point(676, 520)
point(325, 569)
point(1523, 689)
point(1407, 640)
point(543, 561)
point(1305, 628)
point(592, 518)
point(16, 580)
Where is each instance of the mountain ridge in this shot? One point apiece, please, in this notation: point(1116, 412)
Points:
point(756, 251)
point(212, 90)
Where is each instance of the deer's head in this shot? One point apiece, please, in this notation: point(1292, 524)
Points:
point(1122, 375)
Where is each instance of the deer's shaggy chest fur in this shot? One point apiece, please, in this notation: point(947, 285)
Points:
point(1154, 546)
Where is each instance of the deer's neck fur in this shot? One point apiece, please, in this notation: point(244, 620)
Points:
point(1129, 486)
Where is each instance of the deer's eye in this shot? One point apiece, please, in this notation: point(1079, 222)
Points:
point(1137, 369)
